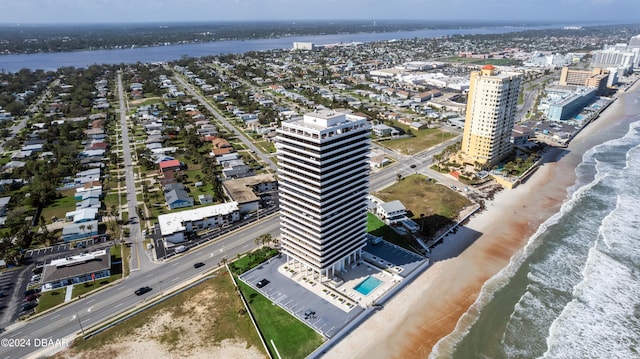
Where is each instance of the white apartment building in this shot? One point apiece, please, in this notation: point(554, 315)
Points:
point(323, 185)
point(490, 116)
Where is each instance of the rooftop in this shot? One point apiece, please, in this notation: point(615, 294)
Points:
point(174, 222)
point(71, 266)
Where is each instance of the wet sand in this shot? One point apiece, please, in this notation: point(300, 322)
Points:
point(429, 308)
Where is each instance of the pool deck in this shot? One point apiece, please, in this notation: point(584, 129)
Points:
point(341, 292)
point(335, 303)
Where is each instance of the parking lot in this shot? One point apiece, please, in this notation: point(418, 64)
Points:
point(321, 315)
point(14, 283)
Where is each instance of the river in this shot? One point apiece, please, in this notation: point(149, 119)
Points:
point(80, 59)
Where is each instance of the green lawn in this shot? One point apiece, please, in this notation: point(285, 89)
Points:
point(377, 228)
point(111, 199)
point(422, 140)
point(50, 299)
point(252, 259)
point(61, 206)
point(435, 204)
point(292, 338)
point(266, 146)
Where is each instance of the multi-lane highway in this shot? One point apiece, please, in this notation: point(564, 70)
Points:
point(80, 315)
point(71, 319)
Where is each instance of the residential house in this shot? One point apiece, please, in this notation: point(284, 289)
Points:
point(205, 198)
point(75, 231)
point(176, 196)
point(236, 169)
point(91, 193)
point(89, 203)
point(82, 215)
point(170, 166)
point(383, 130)
point(391, 212)
point(245, 190)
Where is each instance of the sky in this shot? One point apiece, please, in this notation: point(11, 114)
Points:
point(110, 11)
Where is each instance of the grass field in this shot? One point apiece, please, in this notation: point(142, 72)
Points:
point(422, 140)
point(50, 299)
point(61, 206)
point(376, 227)
point(292, 338)
point(437, 203)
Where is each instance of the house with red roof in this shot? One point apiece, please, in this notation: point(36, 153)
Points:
point(170, 166)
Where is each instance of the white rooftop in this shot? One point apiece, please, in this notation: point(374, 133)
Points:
point(173, 222)
point(79, 258)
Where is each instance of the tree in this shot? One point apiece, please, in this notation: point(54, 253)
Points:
point(267, 238)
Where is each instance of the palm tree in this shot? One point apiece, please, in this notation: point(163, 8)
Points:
point(267, 238)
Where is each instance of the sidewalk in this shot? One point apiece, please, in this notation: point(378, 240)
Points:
point(68, 294)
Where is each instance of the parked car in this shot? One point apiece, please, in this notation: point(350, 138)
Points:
point(198, 265)
point(143, 290)
point(31, 291)
point(262, 283)
point(31, 297)
point(28, 306)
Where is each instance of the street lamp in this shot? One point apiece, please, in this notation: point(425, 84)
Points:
point(159, 282)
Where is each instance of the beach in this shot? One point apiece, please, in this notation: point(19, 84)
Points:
point(430, 307)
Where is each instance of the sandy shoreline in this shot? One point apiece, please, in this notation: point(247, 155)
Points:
point(429, 308)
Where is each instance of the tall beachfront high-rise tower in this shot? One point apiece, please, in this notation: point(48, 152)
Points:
point(323, 184)
point(490, 116)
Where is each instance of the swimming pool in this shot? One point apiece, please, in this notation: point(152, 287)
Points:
point(368, 285)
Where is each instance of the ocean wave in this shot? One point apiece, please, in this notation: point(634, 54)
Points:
point(602, 313)
point(562, 270)
point(602, 320)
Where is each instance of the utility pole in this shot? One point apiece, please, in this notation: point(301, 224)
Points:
point(80, 323)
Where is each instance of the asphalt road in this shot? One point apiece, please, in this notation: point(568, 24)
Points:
point(71, 319)
point(65, 322)
point(138, 259)
point(263, 157)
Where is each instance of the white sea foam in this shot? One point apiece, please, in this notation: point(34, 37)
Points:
point(562, 268)
point(447, 345)
point(602, 319)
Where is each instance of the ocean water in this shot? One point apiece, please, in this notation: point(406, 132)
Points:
point(574, 291)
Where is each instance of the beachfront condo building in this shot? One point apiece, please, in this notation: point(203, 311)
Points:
point(323, 185)
point(490, 116)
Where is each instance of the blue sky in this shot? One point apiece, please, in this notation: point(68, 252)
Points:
point(75, 11)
